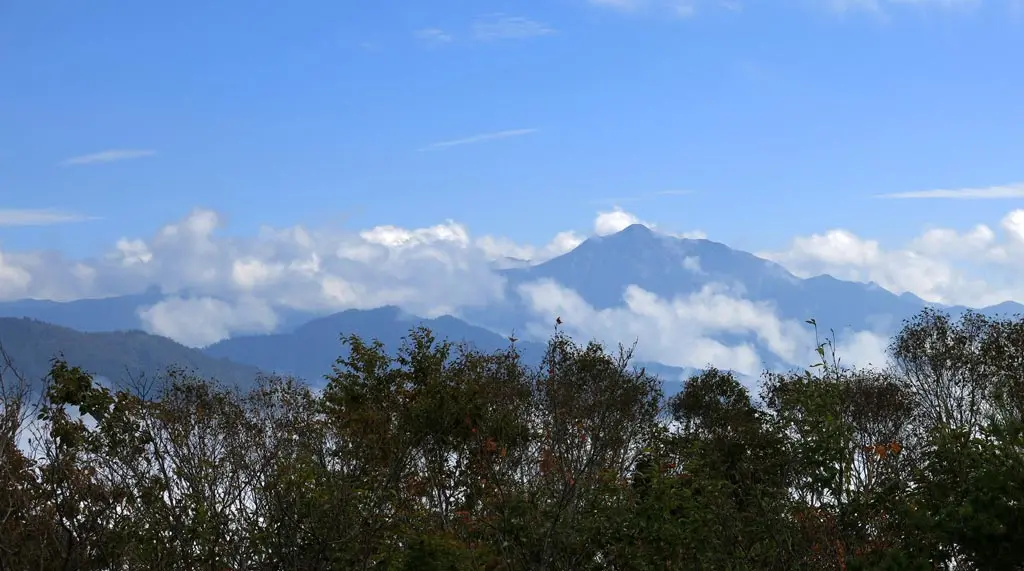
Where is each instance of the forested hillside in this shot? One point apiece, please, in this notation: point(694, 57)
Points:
point(452, 459)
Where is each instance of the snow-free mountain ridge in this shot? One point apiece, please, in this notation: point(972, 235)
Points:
point(599, 271)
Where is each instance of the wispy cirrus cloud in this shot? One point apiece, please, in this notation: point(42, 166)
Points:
point(998, 192)
point(108, 156)
point(620, 4)
point(39, 217)
point(686, 8)
point(482, 138)
point(883, 7)
point(490, 27)
point(433, 36)
point(504, 27)
point(680, 8)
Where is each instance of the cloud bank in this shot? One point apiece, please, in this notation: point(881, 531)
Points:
point(216, 286)
point(975, 267)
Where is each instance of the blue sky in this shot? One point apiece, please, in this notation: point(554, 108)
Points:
point(781, 117)
point(146, 143)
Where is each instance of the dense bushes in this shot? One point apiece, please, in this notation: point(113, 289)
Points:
point(445, 458)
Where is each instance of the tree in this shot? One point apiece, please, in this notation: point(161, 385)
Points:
point(444, 457)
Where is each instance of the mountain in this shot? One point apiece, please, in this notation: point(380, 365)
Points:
point(118, 356)
point(109, 314)
point(601, 268)
point(117, 313)
point(311, 350)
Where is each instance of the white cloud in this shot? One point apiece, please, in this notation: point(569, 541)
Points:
point(615, 220)
point(198, 322)
point(395, 237)
point(972, 267)
point(500, 248)
point(426, 271)
point(505, 27)
point(38, 217)
point(44, 275)
point(982, 193)
point(242, 282)
point(482, 138)
point(862, 349)
point(943, 242)
point(131, 252)
point(661, 334)
point(681, 332)
point(109, 156)
point(14, 280)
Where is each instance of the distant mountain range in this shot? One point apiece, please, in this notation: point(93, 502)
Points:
point(116, 356)
point(599, 270)
point(307, 353)
point(311, 350)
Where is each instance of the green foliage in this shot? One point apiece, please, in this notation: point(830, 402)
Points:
point(446, 458)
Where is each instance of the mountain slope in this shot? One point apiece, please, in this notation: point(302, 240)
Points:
point(117, 356)
point(110, 314)
point(311, 350)
point(117, 313)
point(601, 268)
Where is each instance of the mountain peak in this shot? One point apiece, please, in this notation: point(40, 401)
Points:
point(636, 230)
point(632, 236)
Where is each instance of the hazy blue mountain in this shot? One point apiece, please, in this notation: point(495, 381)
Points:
point(86, 315)
point(116, 313)
point(601, 268)
point(118, 356)
point(1005, 309)
point(311, 349)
